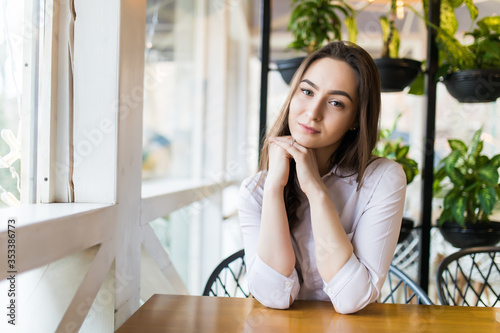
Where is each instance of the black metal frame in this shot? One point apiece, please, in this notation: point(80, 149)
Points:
point(455, 282)
point(233, 268)
point(397, 280)
point(428, 153)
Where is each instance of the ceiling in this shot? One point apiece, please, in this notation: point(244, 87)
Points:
point(161, 15)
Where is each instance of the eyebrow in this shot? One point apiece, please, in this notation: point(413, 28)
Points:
point(330, 92)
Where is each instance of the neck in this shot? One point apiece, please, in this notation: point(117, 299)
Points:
point(323, 160)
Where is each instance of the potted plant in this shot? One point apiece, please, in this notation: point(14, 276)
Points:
point(396, 150)
point(469, 182)
point(395, 73)
point(312, 24)
point(471, 73)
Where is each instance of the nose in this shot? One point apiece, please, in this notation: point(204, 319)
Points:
point(314, 113)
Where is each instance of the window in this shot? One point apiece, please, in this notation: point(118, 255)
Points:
point(12, 41)
point(196, 84)
point(98, 207)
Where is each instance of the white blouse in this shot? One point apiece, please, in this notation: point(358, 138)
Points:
point(371, 218)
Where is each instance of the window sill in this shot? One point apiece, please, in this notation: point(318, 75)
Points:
point(164, 196)
point(30, 214)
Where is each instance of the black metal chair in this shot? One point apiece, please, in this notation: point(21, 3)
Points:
point(229, 278)
point(470, 277)
point(399, 288)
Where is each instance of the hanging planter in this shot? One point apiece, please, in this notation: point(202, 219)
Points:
point(474, 234)
point(397, 73)
point(474, 85)
point(471, 72)
point(288, 67)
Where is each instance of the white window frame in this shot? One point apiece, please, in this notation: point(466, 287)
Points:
point(109, 53)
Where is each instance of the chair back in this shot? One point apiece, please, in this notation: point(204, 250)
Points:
point(401, 289)
point(229, 278)
point(470, 277)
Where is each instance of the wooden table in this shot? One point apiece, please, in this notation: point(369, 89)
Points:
point(173, 313)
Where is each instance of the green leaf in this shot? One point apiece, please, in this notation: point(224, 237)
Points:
point(394, 45)
point(352, 28)
point(489, 175)
point(456, 203)
point(439, 174)
point(410, 174)
point(456, 177)
point(457, 55)
point(481, 161)
point(472, 187)
point(438, 178)
point(448, 21)
point(476, 146)
point(450, 197)
point(492, 22)
point(385, 133)
point(402, 152)
point(492, 48)
point(487, 198)
point(495, 161)
point(458, 145)
point(451, 161)
point(418, 86)
point(384, 24)
point(454, 3)
point(410, 167)
point(445, 216)
point(458, 209)
point(473, 11)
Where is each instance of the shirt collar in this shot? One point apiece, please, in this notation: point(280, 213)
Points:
point(344, 175)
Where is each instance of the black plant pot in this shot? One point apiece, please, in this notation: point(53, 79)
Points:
point(474, 86)
point(397, 73)
point(288, 67)
point(474, 234)
point(406, 228)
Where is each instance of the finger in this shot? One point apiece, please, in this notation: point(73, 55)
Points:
point(279, 148)
point(286, 143)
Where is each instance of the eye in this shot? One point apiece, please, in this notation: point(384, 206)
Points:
point(337, 104)
point(306, 92)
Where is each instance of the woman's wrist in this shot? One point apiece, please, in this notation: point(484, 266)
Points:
point(317, 192)
point(272, 188)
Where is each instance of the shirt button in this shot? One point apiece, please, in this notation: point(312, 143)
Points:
point(329, 290)
point(287, 284)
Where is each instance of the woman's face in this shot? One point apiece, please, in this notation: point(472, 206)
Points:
point(323, 108)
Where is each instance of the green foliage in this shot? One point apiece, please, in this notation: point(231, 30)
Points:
point(390, 34)
point(397, 151)
point(469, 182)
point(482, 53)
point(418, 86)
point(316, 22)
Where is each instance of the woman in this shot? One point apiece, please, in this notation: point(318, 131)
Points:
point(321, 219)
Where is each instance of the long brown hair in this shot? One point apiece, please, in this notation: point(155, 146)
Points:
point(355, 151)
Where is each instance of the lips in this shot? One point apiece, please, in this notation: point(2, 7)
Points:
point(308, 129)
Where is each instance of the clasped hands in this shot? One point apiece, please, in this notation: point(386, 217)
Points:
point(283, 149)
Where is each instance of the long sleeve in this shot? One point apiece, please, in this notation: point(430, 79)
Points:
point(268, 286)
point(374, 239)
point(371, 218)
